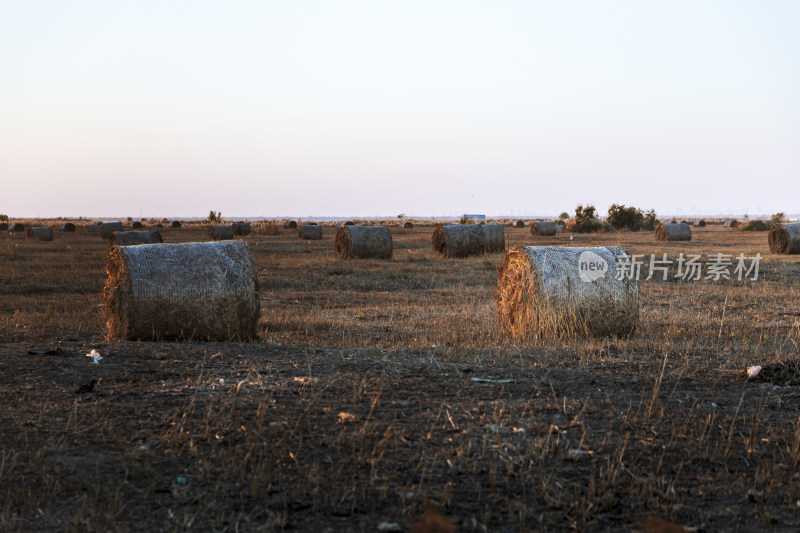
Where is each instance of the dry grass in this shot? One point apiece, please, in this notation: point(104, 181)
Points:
point(380, 390)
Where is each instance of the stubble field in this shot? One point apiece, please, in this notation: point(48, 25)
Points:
point(382, 397)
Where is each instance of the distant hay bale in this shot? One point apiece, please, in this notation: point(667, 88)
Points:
point(519, 224)
point(16, 228)
point(220, 232)
point(363, 242)
point(136, 224)
point(543, 228)
point(732, 223)
point(458, 240)
point(68, 227)
point(700, 223)
point(784, 238)
point(290, 224)
point(310, 232)
point(407, 225)
point(107, 228)
point(175, 224)
point(549, 292)
point(41, 233)
point(3, 226)
point(132, 238)
point(93, 228)
point(673, 232)
point(241, 228)
point(494, 238)
point(188, 291)
point(559, 228)
point(349, 223)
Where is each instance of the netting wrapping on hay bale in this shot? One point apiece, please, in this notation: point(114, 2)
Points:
point(175, 224)
point(107, 228)
point(494, 238)
point(16, 228)
point(458, 240)
point(519, 224)
point(68, 227)
point(93, 228)
point(41, 233)
point(784, 238)
point(241, 228)
point(732, 223)
point(290, 224)
point(673, 232)
point(700, 223)
point(220, 232)
point(197, 290)
point(132, 238)
point(543, 228)
point(362, 242)
point(550, 292)
point(310, 232)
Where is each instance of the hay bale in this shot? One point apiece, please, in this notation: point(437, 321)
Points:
point(220, 233)
point(349, 223)
point(494, 238)
point(136, 224)
point(700, 223)
point(241, 228)
point(310, 232)
point(132, 238)
point(543, 228)
point(107, 228)
point(732, 223)
point(41, 233)
point(458, 240)
point(290, 224)
point(547, 292)
point(68, 227)
point(407, 225)
point(93, 228)
point(784, 238)
point(175, 224)
point(3, 226)
point(362, 242)
point(196, 290)
point(16, 228)
point(519, 224)
point(673, 232)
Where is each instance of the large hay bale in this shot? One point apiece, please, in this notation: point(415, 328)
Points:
point(107, 228)
point(132, 238)
point(310, 232)
point(220, 232)
point(67, 227)
point(175, 224)
point(241, 228)
point(673, 232)
point(543, 228)
point(700, 223)
point(197, 290)
point(290, 224)
point(458, 240)
point(548, 292)
point(41, 233)
point(519, 224)
point(494, 238)
point(784, 238)
point(732, 223)
point(16, 228)
point(362, 242)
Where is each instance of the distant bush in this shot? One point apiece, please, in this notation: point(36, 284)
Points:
point(466, 220)
point(621, 217)
point(756, 225)
point(563, 216)
point(3, 218)
point(584, 221)
point(777, 218)
point(215, 217)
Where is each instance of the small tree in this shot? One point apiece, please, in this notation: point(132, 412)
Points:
point(215, 217)
point(584, 221)
point(777, 218)
point(563, 216)
point(3, 218)
point(634, 219)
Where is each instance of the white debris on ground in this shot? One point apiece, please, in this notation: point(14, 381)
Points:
point(753, 371)
point(96, 357)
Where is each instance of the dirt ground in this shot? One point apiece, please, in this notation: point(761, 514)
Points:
point(382, 397)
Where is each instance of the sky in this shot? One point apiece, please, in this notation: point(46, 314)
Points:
point(374, 108)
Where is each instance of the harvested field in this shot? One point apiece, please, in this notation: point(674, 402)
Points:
point(376, 389)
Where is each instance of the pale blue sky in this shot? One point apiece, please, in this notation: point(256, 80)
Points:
point(374, 108)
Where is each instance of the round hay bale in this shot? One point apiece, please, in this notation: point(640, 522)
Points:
point(310, 232)
point(107, 228)
point(407, 225)
point(241, 228)
point(349, 223)
point(220, 233)
point(175, 224)
point(16, 228)
point(559, 228)
point(700, 223)
point(363, 242)
point(732, 223)
point(673, 232)
point(196, 290)
point(458, 240)
point(290, 224)
point(543, 228)
point(549, 292)
point(136, 224)
point(519, 224)
point(41, 233)
point(93, 228)
point(132, 238)
point(494, 238)
point(68, 227)
point(784, 238)
point(3, 226)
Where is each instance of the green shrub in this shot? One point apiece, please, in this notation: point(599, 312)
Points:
point(634, 219)
point(584, 221)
